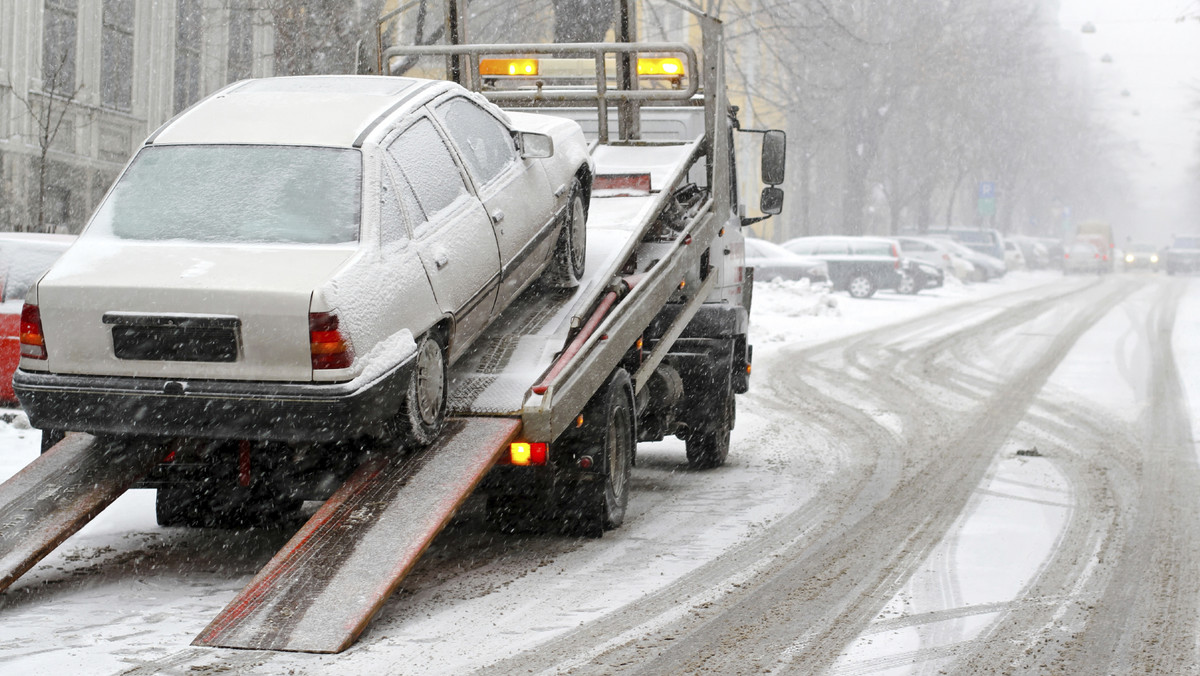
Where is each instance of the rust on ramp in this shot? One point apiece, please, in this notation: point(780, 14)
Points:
point(60, 491)
point(321, 590)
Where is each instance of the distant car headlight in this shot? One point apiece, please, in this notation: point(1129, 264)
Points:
point(1128, 258)
point(1153, 258)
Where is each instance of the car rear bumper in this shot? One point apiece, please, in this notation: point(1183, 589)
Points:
point(211, 409)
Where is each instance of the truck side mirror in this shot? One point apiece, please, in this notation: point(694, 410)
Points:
point(771, 201)
point(774, 154)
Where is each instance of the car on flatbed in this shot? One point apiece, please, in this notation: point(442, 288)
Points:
point(301, 259)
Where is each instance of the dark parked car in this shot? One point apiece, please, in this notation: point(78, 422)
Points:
point(770, 260)
point(920, 275)
point(1184, 254)
point(859, 265)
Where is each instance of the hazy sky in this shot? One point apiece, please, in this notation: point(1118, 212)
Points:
point(1156, 59)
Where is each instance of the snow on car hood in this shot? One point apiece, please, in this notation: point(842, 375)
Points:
point(267, 288)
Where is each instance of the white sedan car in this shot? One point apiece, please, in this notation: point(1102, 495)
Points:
point(300, 259)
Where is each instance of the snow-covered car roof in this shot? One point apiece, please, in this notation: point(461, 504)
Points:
point(316, 110)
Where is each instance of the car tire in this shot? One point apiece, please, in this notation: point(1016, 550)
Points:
point(708, 447)
point(861, 286)
point(908, 285)
point(423, 411)
point(596, 506)
point(570, 253)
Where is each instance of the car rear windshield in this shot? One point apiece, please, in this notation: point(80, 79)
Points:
point(236, 194)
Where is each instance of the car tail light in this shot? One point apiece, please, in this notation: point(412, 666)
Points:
point(330, 346)
point(896, 255)
point(33, 343)
point(524, 453)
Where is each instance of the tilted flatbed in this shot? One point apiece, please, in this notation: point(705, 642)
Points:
point(546, 410)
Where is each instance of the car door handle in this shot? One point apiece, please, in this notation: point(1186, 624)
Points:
point(498, 217)
point(441, 261)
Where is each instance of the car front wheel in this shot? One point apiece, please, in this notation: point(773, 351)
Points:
point(861, 286)
point(570, 254)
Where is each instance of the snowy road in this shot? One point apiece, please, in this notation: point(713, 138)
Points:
point(993, 478)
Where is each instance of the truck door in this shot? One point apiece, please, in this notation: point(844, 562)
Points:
point(452, 233)
point(515, 192)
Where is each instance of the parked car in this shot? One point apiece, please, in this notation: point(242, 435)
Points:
point(923, 275)
point(936, 252)
point(1035, 253)
point(1141, 256)
point(1184, 254)
point(858, 265)
point(1013, 258)
point(24, 257)
point(1084, 257)
point(986, 267)
point(986, 241)
point(258, 272)
point(770, 260)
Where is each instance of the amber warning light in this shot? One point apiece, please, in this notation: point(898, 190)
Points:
point(508, 67)
point(524, 453)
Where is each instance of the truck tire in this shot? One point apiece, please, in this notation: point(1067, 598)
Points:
point(570, 253)
point(51, 437)
point(708, 446)
point(861, 286)
point(597, 506)
point(423, 412)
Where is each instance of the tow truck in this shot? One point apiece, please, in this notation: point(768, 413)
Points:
point(549, 407)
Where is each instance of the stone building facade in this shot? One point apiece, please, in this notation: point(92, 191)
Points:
point(83, 82)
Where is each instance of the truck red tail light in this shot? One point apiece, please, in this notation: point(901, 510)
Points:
point(524, 453)
point(330, 347)
point(33, 343)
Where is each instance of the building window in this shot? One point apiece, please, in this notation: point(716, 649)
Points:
point(58, 47)
point(116, 70)
point(188, 36)
point(241, 40)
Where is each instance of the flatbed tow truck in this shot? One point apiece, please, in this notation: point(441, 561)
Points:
point(549, 407)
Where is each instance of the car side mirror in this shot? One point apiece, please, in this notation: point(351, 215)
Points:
point(774, 156)
point(535, 146)
point(771, 201)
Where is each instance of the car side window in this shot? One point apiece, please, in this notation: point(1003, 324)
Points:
point(484, 142)
point(832, 248)
point(426, 163)
point(399, 210)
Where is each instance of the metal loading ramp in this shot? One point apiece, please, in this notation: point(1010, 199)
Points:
point(60, 492)
point(321, 590)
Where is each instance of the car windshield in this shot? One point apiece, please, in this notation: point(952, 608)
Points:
point(23, 265)
point(236, 194)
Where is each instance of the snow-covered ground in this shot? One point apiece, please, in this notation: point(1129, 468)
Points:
point(77, 620)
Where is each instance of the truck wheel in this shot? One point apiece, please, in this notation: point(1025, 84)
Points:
point(51, 437)
point(600, 505)
point(861, 286)
point(423, 412)
point(182, 506)
point(570, 254)
point(708, 446)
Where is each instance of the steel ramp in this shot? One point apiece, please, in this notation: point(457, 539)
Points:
point(321, 590)
point(60, 491)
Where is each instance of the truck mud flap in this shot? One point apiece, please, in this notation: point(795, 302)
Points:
point(321, 590)
point(61, 491)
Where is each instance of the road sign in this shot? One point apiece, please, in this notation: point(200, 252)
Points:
point(987, 198)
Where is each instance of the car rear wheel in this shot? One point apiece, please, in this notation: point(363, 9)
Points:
point(861, 286)
point(570, 254)
point(423, 412)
